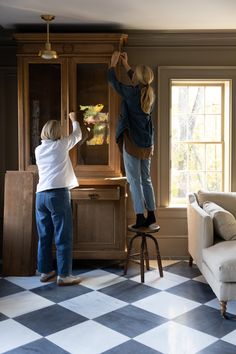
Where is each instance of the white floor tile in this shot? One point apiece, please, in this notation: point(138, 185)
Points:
point(13, 335)
point(230, 338)
point(21, 303)
point(93, 304)
point(98, 278)
point(231, 305)
point(201, 279)
point(166, 305)
point(153, 279)
point(27, 282)
point(87, 338)
point(173, 338)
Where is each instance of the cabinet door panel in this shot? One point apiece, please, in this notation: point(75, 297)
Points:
point(44, 100)
point(95, 225)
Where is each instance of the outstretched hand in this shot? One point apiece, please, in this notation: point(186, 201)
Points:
point(124, 58)
point(115, 58)
point(72, 116)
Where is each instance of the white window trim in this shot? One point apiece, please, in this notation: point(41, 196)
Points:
point(165, 75)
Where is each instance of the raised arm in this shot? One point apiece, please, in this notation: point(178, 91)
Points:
point(76, 134)
point(114, 59)
point(122, 89)
point(124, 61)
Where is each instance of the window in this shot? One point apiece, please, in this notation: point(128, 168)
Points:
point(199, 143)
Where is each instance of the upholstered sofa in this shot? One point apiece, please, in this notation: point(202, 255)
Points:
point(212, 241)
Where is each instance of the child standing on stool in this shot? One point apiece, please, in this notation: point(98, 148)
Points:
point(135, 135)
point(53, 208)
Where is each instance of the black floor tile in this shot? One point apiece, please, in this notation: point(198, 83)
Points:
point(129, 291)
point(182, 268)
point(208, 320)
point(3, 317)
point(7, 288)
point(50, 319)
point(60, 293)
point(193, 290)
point(130, 320)
point(219, 347)
point(131, 347)
point(41, 346)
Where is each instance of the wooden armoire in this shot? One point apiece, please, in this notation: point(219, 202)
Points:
point(77, 81)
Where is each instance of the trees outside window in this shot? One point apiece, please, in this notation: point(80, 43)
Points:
point(199, 140)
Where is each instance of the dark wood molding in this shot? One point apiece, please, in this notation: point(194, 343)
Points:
point(71, 37)
point(140, 38)
point(70, 44)
point(181, 38)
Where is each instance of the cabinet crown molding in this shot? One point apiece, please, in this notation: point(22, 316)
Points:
point(181, 38)
point(72, 37)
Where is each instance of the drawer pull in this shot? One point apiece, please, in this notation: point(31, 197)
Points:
point(94, 196)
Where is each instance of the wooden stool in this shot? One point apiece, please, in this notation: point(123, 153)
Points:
point(143, 233)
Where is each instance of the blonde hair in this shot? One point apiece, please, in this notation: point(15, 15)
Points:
point(145, 76)
point(51, 130)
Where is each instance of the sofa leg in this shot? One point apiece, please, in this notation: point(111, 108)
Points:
point(190, 262)
point(223, 306)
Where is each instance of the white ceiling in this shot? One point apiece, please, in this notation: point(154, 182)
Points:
point(123, 14)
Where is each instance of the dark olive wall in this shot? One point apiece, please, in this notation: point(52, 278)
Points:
point(152, 48)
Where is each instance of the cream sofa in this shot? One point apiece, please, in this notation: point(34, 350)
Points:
point(214, 256)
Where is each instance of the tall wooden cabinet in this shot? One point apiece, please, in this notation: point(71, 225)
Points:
point(50, 89)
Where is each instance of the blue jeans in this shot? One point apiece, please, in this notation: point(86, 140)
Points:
point(54, 220)
point(140, 184)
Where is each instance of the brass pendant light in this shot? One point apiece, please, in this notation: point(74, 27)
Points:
point(48, 53)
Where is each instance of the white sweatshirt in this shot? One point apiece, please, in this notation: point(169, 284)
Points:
point(54, 164)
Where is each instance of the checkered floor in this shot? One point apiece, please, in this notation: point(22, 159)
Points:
point(112, 314)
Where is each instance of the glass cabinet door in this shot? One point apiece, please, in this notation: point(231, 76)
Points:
point(44, 100)
point(92, 103)
point(92, 100)
point(42, 96)
point(50, 91)
point(75, 81)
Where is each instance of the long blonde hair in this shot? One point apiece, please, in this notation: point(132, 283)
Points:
point(51, 130)
point(145, 76)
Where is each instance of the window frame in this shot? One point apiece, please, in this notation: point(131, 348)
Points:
point(166, 74)
point(221, 141)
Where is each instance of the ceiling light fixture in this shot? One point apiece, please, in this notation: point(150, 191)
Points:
point(48, 53)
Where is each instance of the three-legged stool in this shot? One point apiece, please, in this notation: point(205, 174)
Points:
point(143, 233)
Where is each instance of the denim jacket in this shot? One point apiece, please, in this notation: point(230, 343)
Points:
point(132, 117)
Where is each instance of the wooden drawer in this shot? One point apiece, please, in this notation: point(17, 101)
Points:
point(96, 193)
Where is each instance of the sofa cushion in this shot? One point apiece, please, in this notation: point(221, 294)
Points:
point(221, 259)
point(225, 200)
point(224, 222)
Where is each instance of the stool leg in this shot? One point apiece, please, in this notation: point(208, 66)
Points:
point(158, 255)
point(142, 259)
point(128, 253)
point(146, 256)
point(190, 263)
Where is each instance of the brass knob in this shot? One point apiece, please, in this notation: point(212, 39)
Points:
point(94, 196)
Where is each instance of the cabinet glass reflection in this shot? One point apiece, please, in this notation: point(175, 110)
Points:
point(92, 100)
point(44, 99)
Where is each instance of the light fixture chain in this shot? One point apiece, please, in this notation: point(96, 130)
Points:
point(47, 31)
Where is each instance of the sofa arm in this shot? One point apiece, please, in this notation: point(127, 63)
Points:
point(200, 230)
